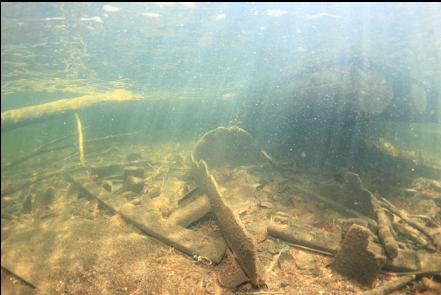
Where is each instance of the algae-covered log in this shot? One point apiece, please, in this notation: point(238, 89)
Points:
point(384, 229)
point(190, 242)
point(191, 212)
point(235, 234)
point(307, 236)
point(19, 117)
point(359, 258)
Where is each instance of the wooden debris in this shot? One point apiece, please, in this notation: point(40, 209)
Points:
point(227, 145)
point(305, 235)
point(80, 138)
point(133, 171)
point(27, 282)
point(192, 243)
point(235, 234)
point(31, 114)
point(191, 212)
point(389, 287)
point(348, 222)
point(229, 273)
point(134, 184)
point(188, 196)
point(431, 284)
point(356, 195)
point(275, 260)
point(412, 223)
point(359, 257)
point(415, 261)
point(384, 229)
point(413, 234)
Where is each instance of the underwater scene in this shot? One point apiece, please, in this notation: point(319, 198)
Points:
point(220, 148)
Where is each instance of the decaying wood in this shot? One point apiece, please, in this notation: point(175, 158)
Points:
point(229, 274)
point(389, 287)
point(356, 195)
point(188, 196)
point(190, 242)
point(384, 229)
point(412, 223)
point(413, 234)
point(359, 257)
point(27, 282)
point(80, 138)
point(275, 260)
point(306, 236)
point(191, 212)
point(235, 234)
point(19, 117)
point(415, 261)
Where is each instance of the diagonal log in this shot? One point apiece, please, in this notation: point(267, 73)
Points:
point(235, 234)
point(190, 242)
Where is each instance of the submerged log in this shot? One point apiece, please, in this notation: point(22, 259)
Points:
point(415, 261)
point(307, 236)
point(191, 212)
point(227, 145)
point(26, 281)
point(235, 234)
point(356, 195)
point(197, 245)
point(409, 221)
point(384, 229)
point(20, 117)
point(359, 258)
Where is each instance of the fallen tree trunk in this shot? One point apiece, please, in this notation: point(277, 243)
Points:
point(191, 212)
point(235, 234)
point(384, 229)
point(27, 282)
point(192, 243)
point(20, 117)
point(307, 236)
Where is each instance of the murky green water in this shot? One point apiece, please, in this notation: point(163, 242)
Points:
point(325, 87)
